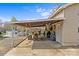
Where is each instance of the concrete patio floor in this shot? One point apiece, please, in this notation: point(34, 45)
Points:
point(42, 48)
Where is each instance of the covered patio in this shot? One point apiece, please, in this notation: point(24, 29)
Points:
point(47, 24)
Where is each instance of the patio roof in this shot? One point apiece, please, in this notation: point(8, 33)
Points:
point(37, 23)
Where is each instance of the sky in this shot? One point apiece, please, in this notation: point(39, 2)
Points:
point(26, 11)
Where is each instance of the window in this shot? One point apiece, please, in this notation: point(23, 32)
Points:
point(78, 29)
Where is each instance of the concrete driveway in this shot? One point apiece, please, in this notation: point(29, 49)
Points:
point(42, 48)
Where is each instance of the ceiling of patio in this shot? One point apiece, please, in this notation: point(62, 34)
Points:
point(37, 23)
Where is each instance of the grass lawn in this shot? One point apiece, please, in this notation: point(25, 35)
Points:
point(1, 36)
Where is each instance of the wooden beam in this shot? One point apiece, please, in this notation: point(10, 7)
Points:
point(38, 24)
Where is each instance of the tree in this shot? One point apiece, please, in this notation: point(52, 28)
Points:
point(13, 19)
point(13, 26)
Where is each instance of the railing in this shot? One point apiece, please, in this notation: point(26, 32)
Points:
point(8, 43)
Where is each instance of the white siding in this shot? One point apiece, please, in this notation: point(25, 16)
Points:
point(70, 26)
point(59, 32)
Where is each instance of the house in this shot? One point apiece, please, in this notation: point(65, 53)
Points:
point(65, 24)
point(67, 32)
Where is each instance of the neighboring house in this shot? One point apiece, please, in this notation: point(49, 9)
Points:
point(1, 29)
point(67, 32)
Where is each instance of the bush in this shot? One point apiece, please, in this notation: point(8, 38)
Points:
point(0, 33)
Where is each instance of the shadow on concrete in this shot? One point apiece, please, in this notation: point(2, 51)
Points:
point(48, 44)
point(45, 44)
